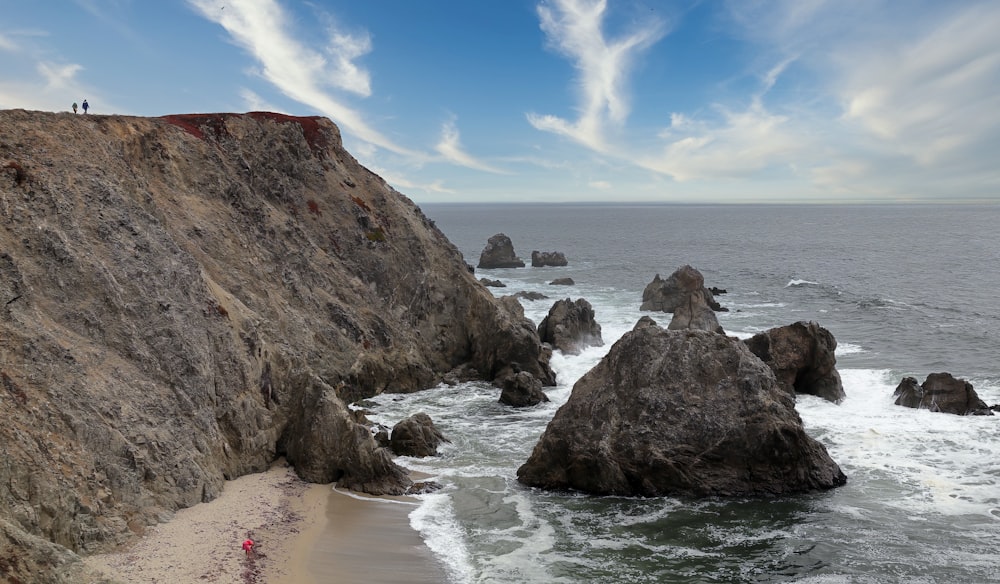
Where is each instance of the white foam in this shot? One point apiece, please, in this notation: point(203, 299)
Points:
point(435, 521)
point(848, 349)
point(797, 282)
point(934, 462)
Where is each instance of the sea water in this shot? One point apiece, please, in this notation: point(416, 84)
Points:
point(906, 291)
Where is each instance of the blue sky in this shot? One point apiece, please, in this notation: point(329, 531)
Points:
point(561, 100)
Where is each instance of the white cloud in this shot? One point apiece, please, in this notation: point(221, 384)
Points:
point(450, 148)
point(262, 29)
point(934, 97)
point(257, 103)
point(7, 45)
point(53, 87)
point(575, 29)
point(742, 144)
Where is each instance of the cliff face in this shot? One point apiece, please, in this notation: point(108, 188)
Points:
point(183, 299)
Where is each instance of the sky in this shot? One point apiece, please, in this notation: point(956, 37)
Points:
point(692, 101)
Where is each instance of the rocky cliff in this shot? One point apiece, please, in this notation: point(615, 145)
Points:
point(184, 299)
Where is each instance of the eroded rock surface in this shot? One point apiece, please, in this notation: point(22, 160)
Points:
point(941, 392)
point(184, 299)
point(803, 358)
point(499, 253)
point(679, 413)
point(570, 326)
point(416, 436)
point(541, 259)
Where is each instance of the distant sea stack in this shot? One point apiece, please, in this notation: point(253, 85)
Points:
point(184, 299)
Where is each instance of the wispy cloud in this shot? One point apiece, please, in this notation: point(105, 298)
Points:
point(934, 97)
point(575, 29)
point(262, 28)
point(255, 102)
point(740, 144)
point(6, 44)
point(450, 148)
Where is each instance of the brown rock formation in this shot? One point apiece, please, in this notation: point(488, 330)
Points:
point(679, 412)
point(183, 299)
point(416, 436)
point(541, 259)
point(941, 392)
point(666, 295)
point(803, 358)
point(570, 326)
point(499, 253)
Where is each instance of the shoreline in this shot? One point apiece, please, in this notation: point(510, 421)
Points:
point(304, 534)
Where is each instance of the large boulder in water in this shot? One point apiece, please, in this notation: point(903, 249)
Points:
point(802, 356)
point(540, 259)
point(941, 392)
point(499, 253)
point(570, 327)
point(666, 295)
point(415, 436)
point(679, 413)
point(521, 390)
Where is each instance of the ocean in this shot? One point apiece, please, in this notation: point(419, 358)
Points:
point(907, 290)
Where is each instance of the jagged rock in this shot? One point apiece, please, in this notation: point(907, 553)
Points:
point(522, 390)
point(644, 322)
point(499, 253)
point(416, 436)
point(666, 295)
point(199, 295)
point(695, 314)
point(941, 392)
point(492, 283)
point(803, 358)
point(570, 327)
point(540, 259)
point(679, 413)
point(562, 282)
point(530, 295)
point(717, 291)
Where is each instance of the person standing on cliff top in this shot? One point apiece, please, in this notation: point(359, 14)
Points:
point(74, 107)
point(86, 106)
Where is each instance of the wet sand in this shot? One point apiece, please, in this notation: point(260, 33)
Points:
point(304, 534)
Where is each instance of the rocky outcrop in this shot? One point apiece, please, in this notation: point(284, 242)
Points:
point(416, 436)
point(679, 413)
point(941, 392)
point(522, 390)
point(185, 299)
point(562, 282)
point(803, 358)
point(666, 295)
point(695, 314)
point(499, 253)
point(570, 327)
point(541, 259)
point(492, 283)
point(530, 295)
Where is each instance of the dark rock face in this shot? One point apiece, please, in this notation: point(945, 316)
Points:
point(941, 392)
point(540, 259)
point(499, 253)
point(522, 390)
point(492, 283)
point(803, 358)
point(562, 282)
point(695, 314)
point(679, 413)
point(666, 295)
point(199, 295)
point(530, 295)
point(416, 436)
point(570, 327)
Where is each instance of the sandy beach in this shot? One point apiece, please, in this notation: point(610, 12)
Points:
point(303, 534)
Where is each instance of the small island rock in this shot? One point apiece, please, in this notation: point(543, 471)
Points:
point(499, 253)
